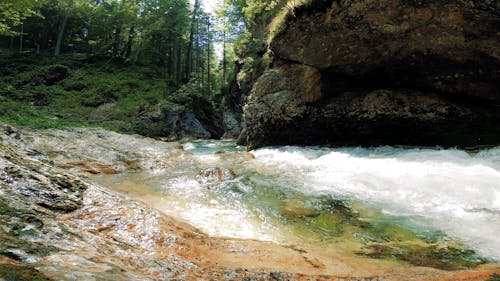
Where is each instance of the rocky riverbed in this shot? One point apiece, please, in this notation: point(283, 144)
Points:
point(58, 223)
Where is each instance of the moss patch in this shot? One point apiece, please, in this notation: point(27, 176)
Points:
point(7, 210)
point(78, 91)
point(446, 258)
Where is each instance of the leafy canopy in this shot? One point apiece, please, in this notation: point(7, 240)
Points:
point(14, 12)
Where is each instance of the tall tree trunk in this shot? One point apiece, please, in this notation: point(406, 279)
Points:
point(116, 42)
point(128, 48)
point(174, 65)
point(36, 41)
point(171, 57)
point(208, 57)
point(21, 39)
point(12, 44)
point(168, 66)
point(189, 51)
point(45, 37)
point(139, 50)
point(60, 34)
point(197, 57)
point(224, 61)
point(87, 35)
point(179, 66)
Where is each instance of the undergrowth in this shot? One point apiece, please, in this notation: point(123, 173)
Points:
point(75, 90)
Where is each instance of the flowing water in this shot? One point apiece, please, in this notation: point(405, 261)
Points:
point(317, 194)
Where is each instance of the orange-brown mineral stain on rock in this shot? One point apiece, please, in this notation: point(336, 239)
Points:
point(108, 169)
point(131, 164)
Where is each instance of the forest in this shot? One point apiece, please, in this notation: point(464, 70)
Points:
point(62, 59)
point(173, 36)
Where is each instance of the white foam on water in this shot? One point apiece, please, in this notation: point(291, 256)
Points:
point(448, 190)
point(215, 216)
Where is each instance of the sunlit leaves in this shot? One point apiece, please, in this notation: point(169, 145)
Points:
point(14, 12)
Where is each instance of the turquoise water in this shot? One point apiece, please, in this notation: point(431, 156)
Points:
point(318, 194)
point(425, 190)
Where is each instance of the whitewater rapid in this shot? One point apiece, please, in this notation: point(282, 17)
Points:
point(447, 190)
point(431, 192)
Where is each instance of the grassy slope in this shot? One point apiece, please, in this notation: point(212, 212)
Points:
point(32, 96)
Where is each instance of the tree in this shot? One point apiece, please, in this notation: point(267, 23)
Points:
point(60, 33)
point(230, 25)
point(124, 13)
point(194, 24)
point(175, 38)
point(14, 12)
point(67, 8)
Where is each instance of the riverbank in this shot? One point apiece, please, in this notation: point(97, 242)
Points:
point(83, 90)
point(49, 198)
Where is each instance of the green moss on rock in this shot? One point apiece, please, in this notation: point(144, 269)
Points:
point(441, 257)
point(7, 210)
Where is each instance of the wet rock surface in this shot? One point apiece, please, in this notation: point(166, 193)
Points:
point(210, 175)
point(446, 46)
point(381, 117)
point(171, 124)
point(370, 73)
point(59, 225)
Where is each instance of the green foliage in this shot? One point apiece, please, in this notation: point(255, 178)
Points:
point(264, 20)
point(117, 41)
point(110, 94)
point(258, 10)
point(167, 34)
point(14, 12)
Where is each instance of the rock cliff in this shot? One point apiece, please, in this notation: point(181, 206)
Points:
point(368, 72)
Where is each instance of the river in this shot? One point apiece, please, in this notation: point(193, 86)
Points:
point(325, 195)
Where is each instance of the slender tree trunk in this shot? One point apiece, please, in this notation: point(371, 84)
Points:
point(116, 43)
point(208, 58)
point(128, 48)
point(60, 34)
point(174, 63)
point(21, 39)
point(45, 38)
point(189, 51)
point(168, 66)
point(12, 44)
point(139, 50)
point(197, 56)
point(87, 36)
point(224, 61)
point(37, 41)
point(179, 66)
point(171, 57)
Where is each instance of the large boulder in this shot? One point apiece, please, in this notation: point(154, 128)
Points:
point(447, 46)
point(371, 72)
point(172, 125)
point(381, 117)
